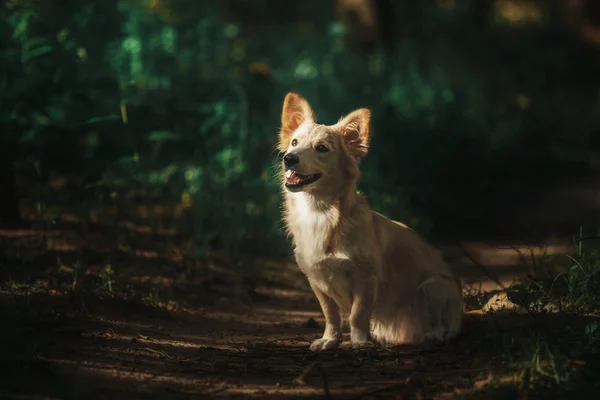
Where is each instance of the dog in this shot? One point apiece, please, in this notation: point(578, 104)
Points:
point(394, 287)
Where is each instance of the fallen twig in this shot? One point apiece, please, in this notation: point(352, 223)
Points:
point(306, 372)
point(301, 379)
point(325, 383)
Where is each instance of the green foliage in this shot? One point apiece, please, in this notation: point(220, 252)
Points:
point(543, 362)
point(172, 103)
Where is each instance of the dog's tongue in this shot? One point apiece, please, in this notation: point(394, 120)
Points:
point(293, 178)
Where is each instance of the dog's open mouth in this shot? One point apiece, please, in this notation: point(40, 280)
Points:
point(294, 179)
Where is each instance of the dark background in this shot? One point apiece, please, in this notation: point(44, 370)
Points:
point(165, 112)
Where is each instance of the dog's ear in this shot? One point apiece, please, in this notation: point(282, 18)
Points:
point(295, 112)
point(355, 129)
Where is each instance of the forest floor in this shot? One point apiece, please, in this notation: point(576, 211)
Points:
point(134, 316)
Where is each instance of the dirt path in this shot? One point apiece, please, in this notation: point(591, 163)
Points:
point(258, 349)
point(252, 351)
point(171, 327)
point(174, 328)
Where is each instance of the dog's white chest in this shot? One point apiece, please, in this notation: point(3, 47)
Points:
point(311, 227)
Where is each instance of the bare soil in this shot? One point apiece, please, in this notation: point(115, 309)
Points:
point(172, 325)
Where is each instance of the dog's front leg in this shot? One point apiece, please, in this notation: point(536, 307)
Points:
point(360, 315)
point(332, 337)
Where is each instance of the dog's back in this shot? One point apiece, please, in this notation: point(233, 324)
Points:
point(417, 282)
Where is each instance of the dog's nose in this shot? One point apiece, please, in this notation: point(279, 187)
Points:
point(290, 159)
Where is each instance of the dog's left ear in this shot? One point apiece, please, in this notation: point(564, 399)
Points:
point(355, 129)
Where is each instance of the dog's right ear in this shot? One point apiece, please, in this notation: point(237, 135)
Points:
point(295, 112)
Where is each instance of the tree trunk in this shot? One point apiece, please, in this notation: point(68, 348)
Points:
point(367, 22)
point(9, 200)
point(482, 13)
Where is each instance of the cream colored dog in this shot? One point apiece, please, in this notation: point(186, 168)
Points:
point(393, 285)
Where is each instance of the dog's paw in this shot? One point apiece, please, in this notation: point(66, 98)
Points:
point(363, 344)
point(325, 344)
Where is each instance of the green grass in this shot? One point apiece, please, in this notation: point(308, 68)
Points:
point(568, 282)
point(549, 347)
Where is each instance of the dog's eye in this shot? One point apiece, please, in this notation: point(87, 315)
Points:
point(321, 148)
point(294, 143)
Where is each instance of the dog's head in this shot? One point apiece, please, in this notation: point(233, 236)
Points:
point(321, 159)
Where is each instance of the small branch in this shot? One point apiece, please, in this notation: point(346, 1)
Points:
point(308, 371)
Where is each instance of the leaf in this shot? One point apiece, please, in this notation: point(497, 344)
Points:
point(95, 120)
point(62, 35)
point(40, 51)
point(226, 156)
point(127, 160)
point(29, 136)
point(164, 136)
point(35, 42)
point(20, 27)
point(55, 114)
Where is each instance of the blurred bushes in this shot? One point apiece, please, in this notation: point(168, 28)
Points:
point(177, 102)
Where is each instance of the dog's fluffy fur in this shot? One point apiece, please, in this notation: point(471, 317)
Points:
point(394, 287)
